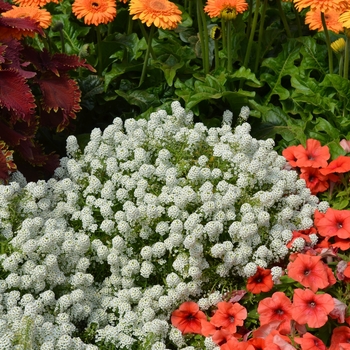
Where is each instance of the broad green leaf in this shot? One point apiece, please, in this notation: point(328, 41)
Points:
point(169, 64)
point(314, 56)
point(280, 67)
point(324, 127)
point(140, 98)
point(90, 86)
point(116, 71)
point(246, 74)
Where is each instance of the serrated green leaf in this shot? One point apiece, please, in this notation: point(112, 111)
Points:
point(169, 64)
point(324, 127)
point(116, 71)
point(139, 98)
point(248, 75)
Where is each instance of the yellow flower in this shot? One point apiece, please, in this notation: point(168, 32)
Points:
point(344, 19)
point(313, 19)
point(95, 11)
point(338, 46)
point(225, 8)
point(321, 5)
point(162, 13)
point(42, 16)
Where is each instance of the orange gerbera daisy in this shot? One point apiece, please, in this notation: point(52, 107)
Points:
point(41, 16)
point(310, 308)
point(313, 19)
point(216, 8)
point(187, 318)
point(34, 3)
point(162, 13)
point(95, 11)
point(322, 5)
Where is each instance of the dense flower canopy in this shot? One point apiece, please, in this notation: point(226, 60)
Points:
point(215, 8)
point(95, 11)
point(42, 16)
point(162, 13)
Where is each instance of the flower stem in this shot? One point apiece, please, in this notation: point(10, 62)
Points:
point(203, 35)
point(145, 63)
point(328, 42)
point(229, 45)
point(261, 35)
point(99, 50)
point(251, 38)
point(283, 18)
point(346, 58)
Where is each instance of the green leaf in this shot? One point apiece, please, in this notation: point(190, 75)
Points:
point(140, 98)
point(246, 73)
point(314, 56)
point(169, 64)
point(90, 86)
point(280, 67)
point(116, 71)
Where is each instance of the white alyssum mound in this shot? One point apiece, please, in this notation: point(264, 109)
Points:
point(150, 214)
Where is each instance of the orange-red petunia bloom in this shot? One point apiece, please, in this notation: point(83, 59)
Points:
point(333, 223)
point(343, 244)
point(222, 336)
point(162, 13)
point(289, 154)
point(277, 341)
point(314, 155)
point(339, 165)
point(260, 282)
point(95, 11)
point(187, 318)
point(310, 308)
point(228, 316)
point(234, 344)
point(310, 342)
point(41, 16)
point(322, 5)
point(278, 307)
point(340, 335)
point(313, 19)
point(216, 8)
point(34, 3)
point(315, 181)
point(310, 271)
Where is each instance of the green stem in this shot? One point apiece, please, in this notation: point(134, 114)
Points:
point(99, 51)
point(328, 42)
point(283, 18)
point(251, 37)
point(229, 45)
point(145, 63)
point(223, 34)
point(145, 35)
point(203, 35)
point(130, 25)
point(341, 65)
point(297, 17)
point(346, 58)
point(249, 22)
point(261, 35)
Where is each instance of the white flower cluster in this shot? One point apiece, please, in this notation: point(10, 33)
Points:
point(150, 214)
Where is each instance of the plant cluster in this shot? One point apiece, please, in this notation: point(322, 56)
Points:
point(150, 215)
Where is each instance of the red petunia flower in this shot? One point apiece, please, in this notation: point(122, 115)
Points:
point(277, 341)
point(339, 165)
point(310, 342)
point(310, 271)
point(340, 335)
point(314, 155)
point(278, 307)
point(228, 316)
point(222, 336)
point(333, 223)
point(289, 154)
point(234, 344)
point(260, 282)
point(187, 318)
point(310, 308)
point(314, 179)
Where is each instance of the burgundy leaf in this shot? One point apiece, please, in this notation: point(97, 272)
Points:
point(10, 136)
point(64, 62)
point(16, 95)
point(60, 93)
point(16, 27)
point(5, 6)
point(4, 174)
point(2, 53)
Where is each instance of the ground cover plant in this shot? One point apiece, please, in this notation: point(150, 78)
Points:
point(168, 221)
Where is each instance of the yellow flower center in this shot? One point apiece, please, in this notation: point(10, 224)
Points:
point(228, 13)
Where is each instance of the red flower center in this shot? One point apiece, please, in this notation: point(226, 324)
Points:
point(279, 312)
point(190, 317)
point(312, 304)
point(231, 319)
point(306, 272)
point(339, 225)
